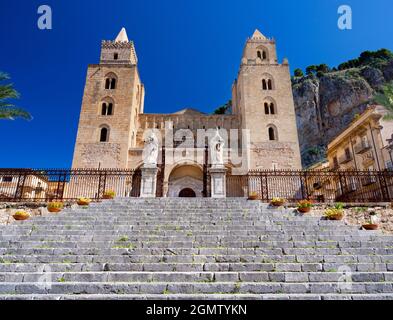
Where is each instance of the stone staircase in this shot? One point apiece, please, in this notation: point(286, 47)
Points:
point(191, 249)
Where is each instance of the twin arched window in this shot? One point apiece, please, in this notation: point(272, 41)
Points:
point(267, 84)
point(104, 134)
point(269, 108)
point(107, 109)
point(261, 54)
point(110, 81)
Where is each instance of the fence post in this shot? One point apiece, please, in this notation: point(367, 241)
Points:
point(306, 186)
point(383, 186)
point(20, 185)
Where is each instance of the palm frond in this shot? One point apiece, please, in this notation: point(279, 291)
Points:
point(8, 92)
point(11, 113)
point(8, 110)
point(4, 76)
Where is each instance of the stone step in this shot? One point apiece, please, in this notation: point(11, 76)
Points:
point(194, 288)
point(207, 277)
point(195, 259)
point(198, 297)
point(189, 236)
point(118, 250)
point(199, 267)
point(195, 244)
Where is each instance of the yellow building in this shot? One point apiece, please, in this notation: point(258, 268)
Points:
point(365, 145)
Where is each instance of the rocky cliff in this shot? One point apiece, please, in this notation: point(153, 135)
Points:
point(327, 102)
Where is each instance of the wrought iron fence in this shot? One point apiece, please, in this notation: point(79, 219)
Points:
point(321, 186)
point(62, 184)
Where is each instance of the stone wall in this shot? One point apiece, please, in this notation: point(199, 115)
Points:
point(358, 215)
point(35, 209)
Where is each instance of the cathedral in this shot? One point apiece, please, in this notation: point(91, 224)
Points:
point(259, 131)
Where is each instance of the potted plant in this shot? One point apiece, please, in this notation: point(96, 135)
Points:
point(370, 226)
point(253, 196)
point(109, 194)
point(372, 223)
point(335, 213)
point(277, 202)
point(304, 206)
point(83, 201)
point(21, 215)
point(55, 206)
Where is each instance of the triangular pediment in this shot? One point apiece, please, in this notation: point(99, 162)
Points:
point(189, 111)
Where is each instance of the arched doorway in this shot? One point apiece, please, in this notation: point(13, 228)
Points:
point(187, 193)
point(185, 181)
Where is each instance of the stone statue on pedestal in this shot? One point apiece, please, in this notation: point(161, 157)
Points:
point(217, 150)
point(150, 150)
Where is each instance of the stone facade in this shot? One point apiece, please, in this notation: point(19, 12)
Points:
point(112, 124)
point(262, 96)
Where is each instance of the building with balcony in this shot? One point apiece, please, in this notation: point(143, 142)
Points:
point(367, 143)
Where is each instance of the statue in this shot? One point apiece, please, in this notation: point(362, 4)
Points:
point(150, 150)
point(217, 150)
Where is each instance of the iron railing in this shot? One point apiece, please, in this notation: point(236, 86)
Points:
point(320, 186)
point(64, 184)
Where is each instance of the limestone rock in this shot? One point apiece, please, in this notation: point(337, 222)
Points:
point(326, 105)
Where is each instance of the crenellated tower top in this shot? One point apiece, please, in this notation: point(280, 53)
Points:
point(118, 51)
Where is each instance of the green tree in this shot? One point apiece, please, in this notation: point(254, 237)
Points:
point(7, 109)
point(311, 70)
point(323, 68)
point(385, 98)
point(224, 108)
point(298, 73)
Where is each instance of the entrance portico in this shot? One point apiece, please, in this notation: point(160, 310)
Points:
point(185, 181)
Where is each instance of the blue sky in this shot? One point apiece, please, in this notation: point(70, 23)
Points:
point(189, 54)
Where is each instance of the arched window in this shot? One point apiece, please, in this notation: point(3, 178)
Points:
point(271, 107)
point(107, 83)
point(272, 131)
point(259, 54)
point(264, 55)
point(107, 109)
point(115, 56)
point(266, 108)
point(104, 134)
point(269, 84)
point(264, 84)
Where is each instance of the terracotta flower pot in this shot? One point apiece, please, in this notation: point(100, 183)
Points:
point(277, 203)
point(336, 217)
point(20, 217)
point(83, 203)
point(304, 209)
point(107, 197)
point(370, 226)
point(54, 210)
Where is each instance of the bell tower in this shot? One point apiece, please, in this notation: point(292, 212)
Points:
point(113, 97)
point(262, 97)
